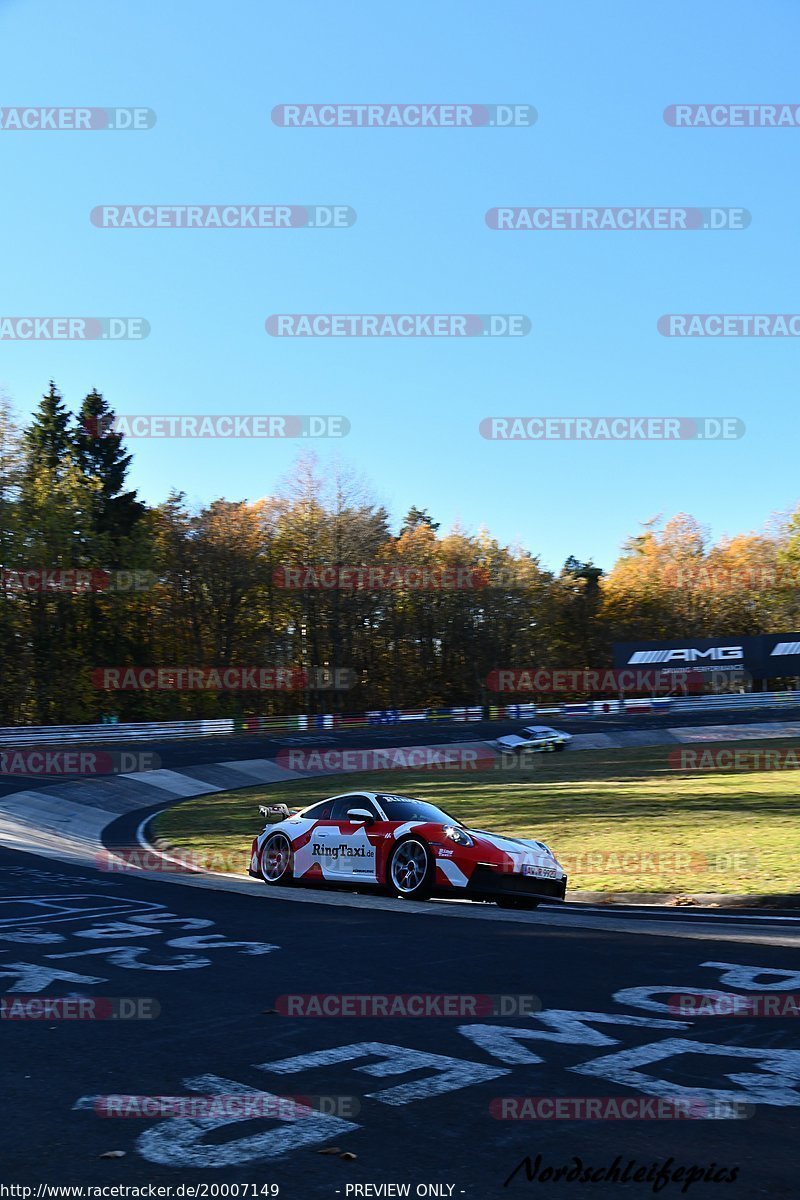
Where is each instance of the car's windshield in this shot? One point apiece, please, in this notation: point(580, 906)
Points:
point(406, 808)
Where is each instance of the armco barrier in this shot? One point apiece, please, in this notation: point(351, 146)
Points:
point(141, 731)
point(226, 726)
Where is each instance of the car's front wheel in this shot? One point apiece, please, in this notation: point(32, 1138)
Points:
point(277, 860)
point(411, 869)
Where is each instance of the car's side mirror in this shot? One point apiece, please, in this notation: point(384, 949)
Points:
point(360, 816)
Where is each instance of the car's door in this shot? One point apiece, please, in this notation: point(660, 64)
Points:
point(341, 846)
point(537, 739)
point(300, 831)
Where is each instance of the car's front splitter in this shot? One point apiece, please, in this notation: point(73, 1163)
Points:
point(486, 884)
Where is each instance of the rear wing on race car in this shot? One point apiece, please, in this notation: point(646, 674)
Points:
point(275, 812)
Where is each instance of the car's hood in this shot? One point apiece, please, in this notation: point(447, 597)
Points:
point(520, 850)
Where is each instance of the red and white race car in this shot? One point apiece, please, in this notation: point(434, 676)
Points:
point(407, 845)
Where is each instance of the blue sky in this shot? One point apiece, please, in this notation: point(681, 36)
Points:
point(599, 77)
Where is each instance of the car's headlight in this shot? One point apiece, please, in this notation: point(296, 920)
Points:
point(547, 849)
point(459, 836)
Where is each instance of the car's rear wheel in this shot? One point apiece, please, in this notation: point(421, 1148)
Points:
point(411, 869)
point(517, 902)
point(277, 860)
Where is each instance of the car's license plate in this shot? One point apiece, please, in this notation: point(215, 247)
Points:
point(540, 872)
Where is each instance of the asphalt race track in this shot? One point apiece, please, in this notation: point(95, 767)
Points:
point(548, 1010)
point(409, 1118)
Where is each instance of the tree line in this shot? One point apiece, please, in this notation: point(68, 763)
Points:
point(92, 577)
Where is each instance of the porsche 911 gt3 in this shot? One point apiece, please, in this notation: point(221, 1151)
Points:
point(373, 840)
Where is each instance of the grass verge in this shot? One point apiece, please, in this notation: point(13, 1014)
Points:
point(619, 820)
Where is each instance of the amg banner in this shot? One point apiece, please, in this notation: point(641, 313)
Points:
point(765, 656)
point(780, 654)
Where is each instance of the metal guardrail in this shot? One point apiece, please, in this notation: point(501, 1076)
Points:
point(227, 726)
point(745, 700)
point(138, 731)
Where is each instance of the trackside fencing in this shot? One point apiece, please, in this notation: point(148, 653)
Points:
point(228, 726)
